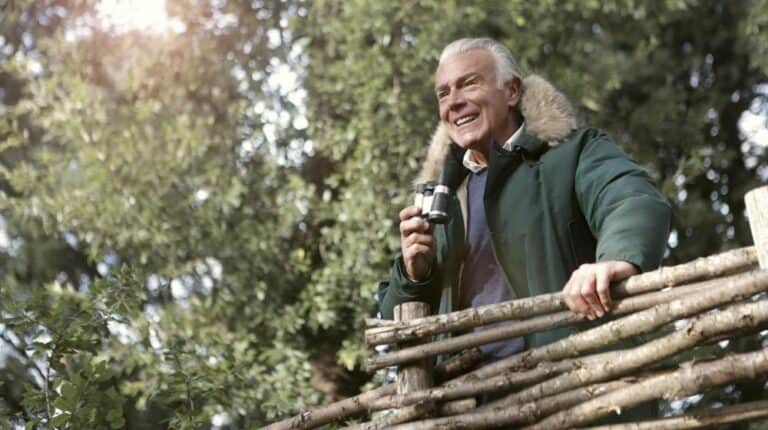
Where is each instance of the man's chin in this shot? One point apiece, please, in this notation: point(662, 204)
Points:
point(466, 142)
point(470, 139)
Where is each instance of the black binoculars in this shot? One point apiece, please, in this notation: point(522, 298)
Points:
point(432, 199)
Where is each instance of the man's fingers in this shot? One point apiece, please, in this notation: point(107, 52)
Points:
point(572, 295)
point(416, 242)
point(416, 250)
point(588, 291)
point(418, 238)
point(409, 212)
point(414, 225)
point(418, 259)
point(603, 290)
point(589, 294)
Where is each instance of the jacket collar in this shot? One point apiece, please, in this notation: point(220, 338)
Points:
point(548, 114)
point(532, 147)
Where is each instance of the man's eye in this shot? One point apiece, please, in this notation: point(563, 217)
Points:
point(442, 94)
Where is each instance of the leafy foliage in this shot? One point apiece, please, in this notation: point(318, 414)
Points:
point(193, 221)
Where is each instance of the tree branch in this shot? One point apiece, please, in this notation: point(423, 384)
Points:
point(532, 325)
point(705, 267)
point(744, 317)
point(21, 351)
point(733, 288)
point(360, 403)
point(690, 379)
point(699, 419)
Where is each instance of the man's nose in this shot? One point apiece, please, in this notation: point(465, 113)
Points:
point(456, 99)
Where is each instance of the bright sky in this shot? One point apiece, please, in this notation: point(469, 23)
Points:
point(754, 128)
point(124, 15)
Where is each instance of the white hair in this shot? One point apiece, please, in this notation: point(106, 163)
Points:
point(506, 66)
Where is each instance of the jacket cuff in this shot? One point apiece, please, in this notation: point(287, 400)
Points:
point(410, 288)
point(400, 290)
point(632, 259)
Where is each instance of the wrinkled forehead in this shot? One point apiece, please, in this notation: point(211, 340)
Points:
point(462, 64)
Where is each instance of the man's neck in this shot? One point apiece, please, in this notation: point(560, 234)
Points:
point(481, 155)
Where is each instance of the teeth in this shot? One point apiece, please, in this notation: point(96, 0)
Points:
point(465, 119)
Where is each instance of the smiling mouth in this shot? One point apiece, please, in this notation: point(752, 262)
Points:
point(465, 119)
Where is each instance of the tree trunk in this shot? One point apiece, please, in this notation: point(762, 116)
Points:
point(705, 267)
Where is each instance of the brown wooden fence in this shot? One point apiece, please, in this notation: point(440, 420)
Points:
point(573, 382)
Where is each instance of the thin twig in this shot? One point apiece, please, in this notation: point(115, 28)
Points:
point(21, 351)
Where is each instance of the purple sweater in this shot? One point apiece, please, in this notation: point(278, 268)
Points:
point(482, 281)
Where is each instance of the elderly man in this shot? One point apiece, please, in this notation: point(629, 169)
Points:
point(541, 205)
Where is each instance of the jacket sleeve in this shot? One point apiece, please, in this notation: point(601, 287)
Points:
point(399, 289)
point(626, 212)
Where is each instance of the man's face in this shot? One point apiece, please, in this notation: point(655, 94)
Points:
point(473, 108)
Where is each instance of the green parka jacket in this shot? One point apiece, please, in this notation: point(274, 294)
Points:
point(561, 198)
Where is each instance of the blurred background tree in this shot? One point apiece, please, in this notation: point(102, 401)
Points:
point(198, 197)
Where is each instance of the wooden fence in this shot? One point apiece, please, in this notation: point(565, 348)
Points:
point(573, 382)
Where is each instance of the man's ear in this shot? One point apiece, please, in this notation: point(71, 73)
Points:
point(514, 89)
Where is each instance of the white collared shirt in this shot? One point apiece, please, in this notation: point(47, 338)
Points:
point(471, 160)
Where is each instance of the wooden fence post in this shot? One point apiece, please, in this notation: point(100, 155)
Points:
point(417, 375)
point(757, 211)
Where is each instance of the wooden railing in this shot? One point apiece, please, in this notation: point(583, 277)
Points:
point(572, 382)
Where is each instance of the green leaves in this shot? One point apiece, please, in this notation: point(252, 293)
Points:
point(196, 222)
point(87, 398)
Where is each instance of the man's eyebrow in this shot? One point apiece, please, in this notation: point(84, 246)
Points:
point(460, 80)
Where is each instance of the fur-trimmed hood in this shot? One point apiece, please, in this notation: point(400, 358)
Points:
point(548, 115)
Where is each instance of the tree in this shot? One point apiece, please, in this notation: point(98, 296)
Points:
point(195, 220)
point(142, 155)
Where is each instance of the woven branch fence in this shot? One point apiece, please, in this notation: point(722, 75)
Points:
point(573, 382)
